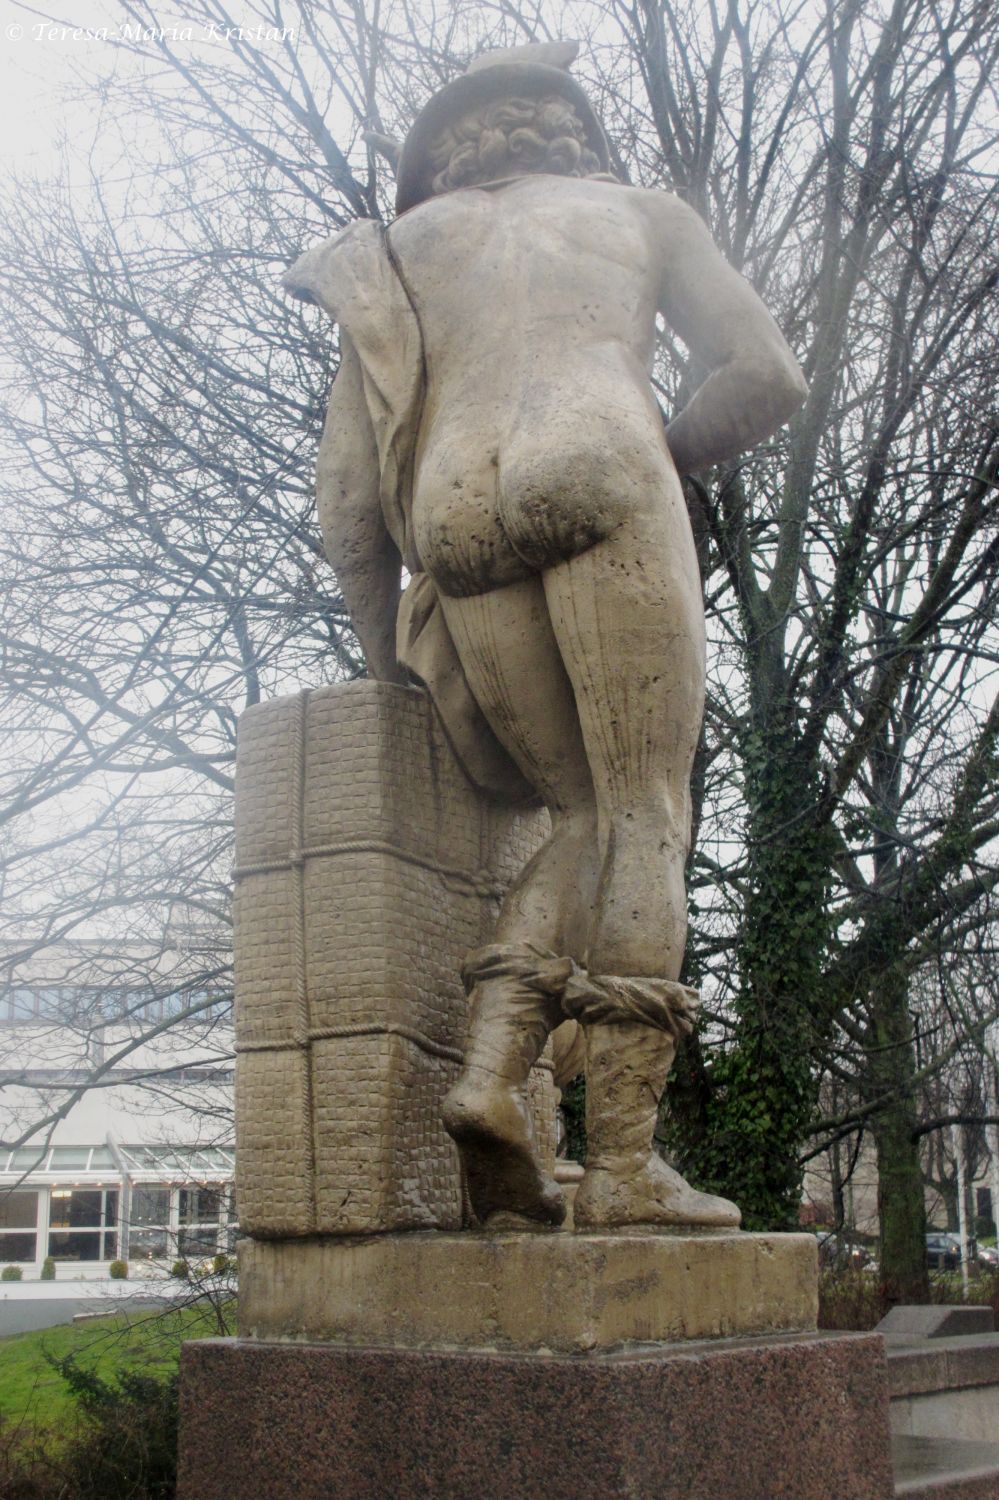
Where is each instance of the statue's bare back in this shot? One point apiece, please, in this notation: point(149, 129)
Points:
point(540, 432)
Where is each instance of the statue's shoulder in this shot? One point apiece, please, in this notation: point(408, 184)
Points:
point(665, 208)
point(358, 248)
point(680, 234)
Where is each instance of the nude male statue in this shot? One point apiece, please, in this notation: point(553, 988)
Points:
point(493, 428)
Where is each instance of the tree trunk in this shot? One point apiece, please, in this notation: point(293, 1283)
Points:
point(763, 1091)
point(836, 1182)
point(891, 1067)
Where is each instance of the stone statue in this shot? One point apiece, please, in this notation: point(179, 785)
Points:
point(493, 430)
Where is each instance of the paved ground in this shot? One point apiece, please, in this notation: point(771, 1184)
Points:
point(926, 1466)
point(27, 1305)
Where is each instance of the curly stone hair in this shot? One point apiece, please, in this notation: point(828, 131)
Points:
point(510, 137)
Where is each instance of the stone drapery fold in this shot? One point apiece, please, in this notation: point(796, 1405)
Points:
point(354, 279)
point(661, 1003)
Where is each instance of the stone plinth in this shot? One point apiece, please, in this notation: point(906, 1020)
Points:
point(947, 1388)
point(567, 1292)
point(367, 867)
point(795, 1418)
point(910, 1323)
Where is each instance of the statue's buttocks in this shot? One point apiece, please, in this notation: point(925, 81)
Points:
point(540, 434)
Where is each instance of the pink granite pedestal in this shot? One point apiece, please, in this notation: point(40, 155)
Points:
point(799, 1417)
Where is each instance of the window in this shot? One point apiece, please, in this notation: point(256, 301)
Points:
point(59, 1159)
point(149, 1235)
point(180, 1221)
point(83, 1224)
point(199, 1220)
point(74, 1004)
point(186, 1161)
point(143, 1003)
point(19, 1005)
point(232, 1220)
point(18, 1226)
point(48, 1002)
point(66, 1158)
point(27, 1159)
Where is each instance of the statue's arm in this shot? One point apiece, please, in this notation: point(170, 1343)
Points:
point(364, 557)
point(755, 384)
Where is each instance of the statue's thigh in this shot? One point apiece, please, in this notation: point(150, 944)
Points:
point(629, 622)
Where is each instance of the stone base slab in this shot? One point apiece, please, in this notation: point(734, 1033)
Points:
point(944, 1469)
point(560, 1292)
point(947, 1388)
point(794, 1418)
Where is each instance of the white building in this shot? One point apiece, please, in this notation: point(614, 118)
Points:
point(124, 1060)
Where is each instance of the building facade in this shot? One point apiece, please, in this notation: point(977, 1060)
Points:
point(115, 1110)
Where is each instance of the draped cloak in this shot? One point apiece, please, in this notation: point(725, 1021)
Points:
point(354, 278)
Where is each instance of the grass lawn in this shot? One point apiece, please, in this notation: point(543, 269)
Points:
point(34, 1394)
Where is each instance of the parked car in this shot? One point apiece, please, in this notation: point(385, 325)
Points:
point(988, 1257)
point(840, 1250)
point(943, 1251)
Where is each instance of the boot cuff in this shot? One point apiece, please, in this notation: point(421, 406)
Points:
point(535, 967)
point(662, 1003)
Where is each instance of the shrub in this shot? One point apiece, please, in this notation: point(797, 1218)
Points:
point(118, 1270)
point(48, 1269)
point(850, 1299)
point(947, 1287)
point(573, 1109)
point(126, 1447)
point(223, 1263)
point(181, 1270)
point(986, 1289)
point(123, 1445)
point(11, 1273)
point(23, 1471)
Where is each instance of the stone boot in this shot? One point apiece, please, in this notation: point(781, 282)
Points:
point(514, 1005)
point(626, 1182)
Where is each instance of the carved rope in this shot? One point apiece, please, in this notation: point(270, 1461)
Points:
point(479, 882)
point(302, 1009)
point(374, 1028)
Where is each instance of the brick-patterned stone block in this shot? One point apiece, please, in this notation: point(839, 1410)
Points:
point(368, 866)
